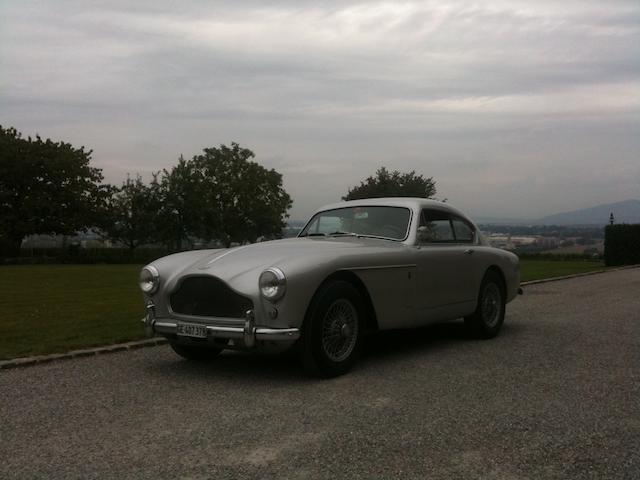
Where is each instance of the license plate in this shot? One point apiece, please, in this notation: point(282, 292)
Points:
point(192, 330)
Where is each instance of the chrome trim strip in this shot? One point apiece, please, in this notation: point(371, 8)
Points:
point(249, 330)
point(232, 321)
point(238, 333)
point(379, 267)
point(277, 334)
point(168, 327)
point(149, 319)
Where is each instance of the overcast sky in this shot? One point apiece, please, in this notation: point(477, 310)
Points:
point(516, 109)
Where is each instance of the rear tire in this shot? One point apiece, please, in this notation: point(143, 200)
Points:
point(333, 330)
point(488, 318)
point(195, 353)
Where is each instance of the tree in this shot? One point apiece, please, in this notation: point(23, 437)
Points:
point(221, 195)
point(181, 210)
point(243, 200)
point(394, 184)
point(46, 187)
point(132, 214)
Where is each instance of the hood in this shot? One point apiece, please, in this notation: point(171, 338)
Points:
point(305, 261)
point(293, 254)
point(237, 261)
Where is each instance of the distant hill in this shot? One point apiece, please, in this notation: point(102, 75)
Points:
point(627, 211)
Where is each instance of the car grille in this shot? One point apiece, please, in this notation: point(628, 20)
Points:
point(208, 297)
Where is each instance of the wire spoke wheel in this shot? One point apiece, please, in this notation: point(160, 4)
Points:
point(486, 321)
point(340, 330)
point(491, 305)
point(332, 331)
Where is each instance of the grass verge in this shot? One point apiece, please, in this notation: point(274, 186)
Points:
point(538, 269)
point(58, 308)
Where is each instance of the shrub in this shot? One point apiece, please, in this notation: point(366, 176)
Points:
point(622, 244)
point(77, 255)
point(587, 255)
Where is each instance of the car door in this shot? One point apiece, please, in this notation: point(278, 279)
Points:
point(445, 263)
point(466, 244)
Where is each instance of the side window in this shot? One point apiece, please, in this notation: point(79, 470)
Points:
point(463, 231)
point(435, 227)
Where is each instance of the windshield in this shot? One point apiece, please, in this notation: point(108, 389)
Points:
point(382, 222)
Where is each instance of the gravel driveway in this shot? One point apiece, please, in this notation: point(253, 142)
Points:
point(557, 395)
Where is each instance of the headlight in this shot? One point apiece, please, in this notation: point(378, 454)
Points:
point(273, 284)
point(149, 279)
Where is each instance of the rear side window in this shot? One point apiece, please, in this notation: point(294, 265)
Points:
point(463, 231)
point(437, 226)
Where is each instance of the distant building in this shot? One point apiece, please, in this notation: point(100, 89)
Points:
point(509, 242)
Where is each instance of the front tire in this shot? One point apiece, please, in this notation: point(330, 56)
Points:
point(333, 330)
point(195, 353)
point(488, 318)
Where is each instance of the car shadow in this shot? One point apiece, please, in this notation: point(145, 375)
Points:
point(270, 368)
point(399, 342)
point(259, 367)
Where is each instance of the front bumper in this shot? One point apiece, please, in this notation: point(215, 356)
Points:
point(247, 334)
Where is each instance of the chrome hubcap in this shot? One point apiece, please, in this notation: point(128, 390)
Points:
point(491, 305)
point(345, 331)
point(340, 330)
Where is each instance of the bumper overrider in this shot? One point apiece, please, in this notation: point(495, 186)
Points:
point(248, 333)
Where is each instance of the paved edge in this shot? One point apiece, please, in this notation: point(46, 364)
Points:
point(576, 275)
point(152, 342)
point(88, 352)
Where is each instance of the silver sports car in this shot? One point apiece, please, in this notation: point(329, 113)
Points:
point(356, 267)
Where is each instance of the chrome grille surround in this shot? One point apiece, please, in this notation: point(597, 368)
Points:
point(207, 296)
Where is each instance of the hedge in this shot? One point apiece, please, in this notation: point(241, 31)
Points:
point(85, 255)
point(560, 257)
point(622, 244)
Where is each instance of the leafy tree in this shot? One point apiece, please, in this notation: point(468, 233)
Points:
point(132, 214)
point(243, 200)
point(221, 195)
point(46, 187)
point(393, 184)
point(181, 209)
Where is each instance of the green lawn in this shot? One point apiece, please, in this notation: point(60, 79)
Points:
point(537, 269)
point(57, 308)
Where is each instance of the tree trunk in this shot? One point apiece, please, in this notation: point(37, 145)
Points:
point(10, 247)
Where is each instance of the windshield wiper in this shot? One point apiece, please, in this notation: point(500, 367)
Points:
point(337, 232)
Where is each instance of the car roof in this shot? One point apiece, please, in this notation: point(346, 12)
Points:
point(413, 203)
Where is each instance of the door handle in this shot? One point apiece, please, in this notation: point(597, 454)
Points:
point(469, 251)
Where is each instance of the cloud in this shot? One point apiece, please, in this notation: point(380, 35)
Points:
point(483, 96)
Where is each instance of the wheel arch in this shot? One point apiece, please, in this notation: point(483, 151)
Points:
point(498, 271)
point(371, 320)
